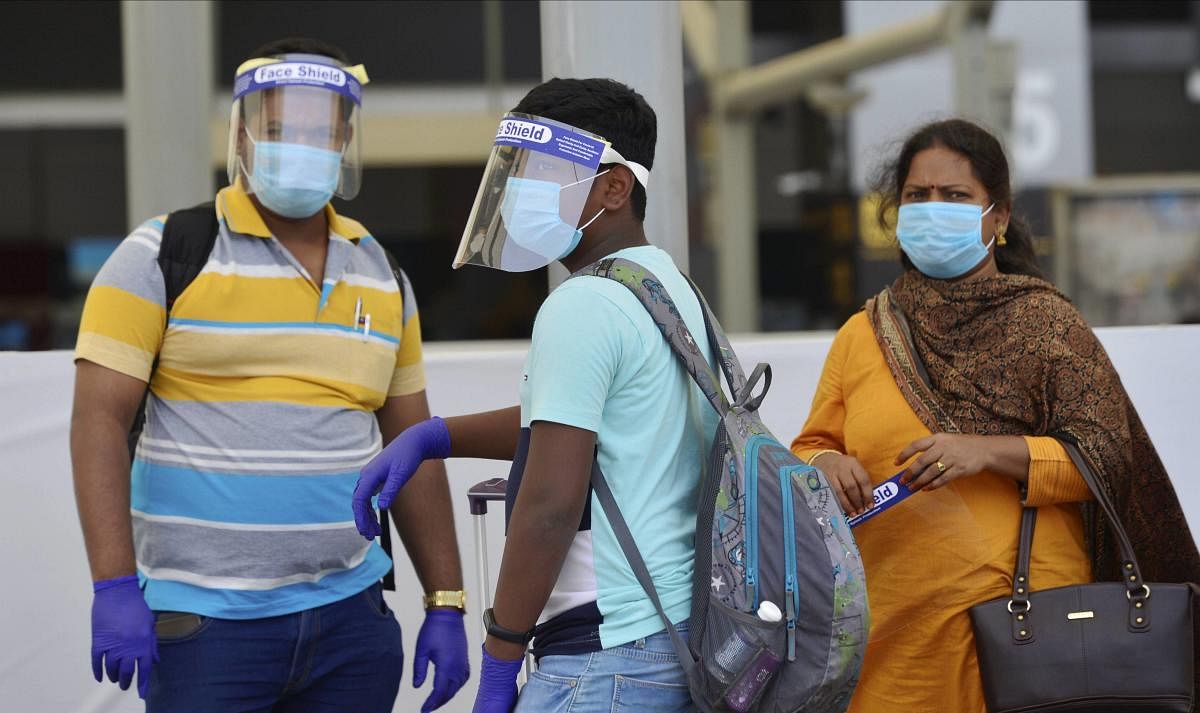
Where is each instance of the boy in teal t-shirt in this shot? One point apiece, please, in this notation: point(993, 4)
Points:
point(599, 383)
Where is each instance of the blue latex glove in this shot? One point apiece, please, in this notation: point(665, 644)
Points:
point(442, 642)
point(391, 469)
point(497, 685)
point(122, 633)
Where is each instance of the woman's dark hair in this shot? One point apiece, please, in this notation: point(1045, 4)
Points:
point(989, 166)
point(606, 108)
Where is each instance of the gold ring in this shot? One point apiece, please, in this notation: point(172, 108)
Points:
point(941, 467)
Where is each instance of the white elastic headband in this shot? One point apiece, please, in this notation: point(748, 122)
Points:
point(639, 171)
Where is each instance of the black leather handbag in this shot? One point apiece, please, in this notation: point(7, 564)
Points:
point(1102, 647)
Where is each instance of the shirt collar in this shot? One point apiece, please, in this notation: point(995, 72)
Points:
point(240, 214)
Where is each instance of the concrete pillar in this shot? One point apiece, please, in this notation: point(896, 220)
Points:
point(732, 211)
point(639, 44)
point(168, 69)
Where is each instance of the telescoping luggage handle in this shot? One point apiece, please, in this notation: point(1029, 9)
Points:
point(489, 490)
point(478, 497)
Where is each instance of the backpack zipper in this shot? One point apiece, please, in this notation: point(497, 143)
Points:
point(752, 446)
point(791, 600)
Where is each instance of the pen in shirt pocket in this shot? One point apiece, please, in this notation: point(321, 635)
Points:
point(362, 320)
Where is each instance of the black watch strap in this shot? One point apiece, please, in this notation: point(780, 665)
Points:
point(494, 629)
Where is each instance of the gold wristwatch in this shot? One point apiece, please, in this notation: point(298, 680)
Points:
point(441, 598)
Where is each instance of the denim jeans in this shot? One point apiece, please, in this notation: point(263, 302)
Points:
point(642, 676)
point(342, 657)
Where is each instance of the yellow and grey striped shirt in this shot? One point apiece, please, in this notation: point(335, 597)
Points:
point(261, 410)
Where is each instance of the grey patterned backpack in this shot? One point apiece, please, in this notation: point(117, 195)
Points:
point(779, 602)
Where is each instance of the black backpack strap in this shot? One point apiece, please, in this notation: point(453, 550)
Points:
point(397, 273)
point(385, 523)
point(188, 237)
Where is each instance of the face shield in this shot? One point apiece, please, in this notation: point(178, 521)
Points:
point(294, 132)
point(532, 195)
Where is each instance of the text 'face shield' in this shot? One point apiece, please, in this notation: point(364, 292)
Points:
point(531, 198)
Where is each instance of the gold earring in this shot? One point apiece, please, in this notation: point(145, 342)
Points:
point(1000, 239)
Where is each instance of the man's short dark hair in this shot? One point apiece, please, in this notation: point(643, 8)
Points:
point(606, 108)
point(301, 45)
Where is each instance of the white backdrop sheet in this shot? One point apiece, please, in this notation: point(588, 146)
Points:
point(44, 630)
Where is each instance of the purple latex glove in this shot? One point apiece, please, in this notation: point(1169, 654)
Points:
point(391, 469)
point(122, 633)
point(497, 685)
point(442, 642)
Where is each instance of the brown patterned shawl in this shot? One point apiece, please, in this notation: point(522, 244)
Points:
point(1010, 355)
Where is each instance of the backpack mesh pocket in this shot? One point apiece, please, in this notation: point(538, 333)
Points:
point(739, 655)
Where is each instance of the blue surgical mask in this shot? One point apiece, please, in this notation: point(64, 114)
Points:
point(294, 180)
point(531, 219)
point(943, 240)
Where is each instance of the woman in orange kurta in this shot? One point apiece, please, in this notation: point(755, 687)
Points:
point(1010, 368)
point(935, 555)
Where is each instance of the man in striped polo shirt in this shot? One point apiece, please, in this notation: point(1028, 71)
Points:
point(228, 571)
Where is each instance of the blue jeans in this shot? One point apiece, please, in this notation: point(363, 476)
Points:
point(344, 656)
point(638, 677)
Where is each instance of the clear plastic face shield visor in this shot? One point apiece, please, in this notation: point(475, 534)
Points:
point(294, 128)
point(530, 202)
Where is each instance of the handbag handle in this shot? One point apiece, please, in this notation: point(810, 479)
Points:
point(1131, 572)
point(1136, 590)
